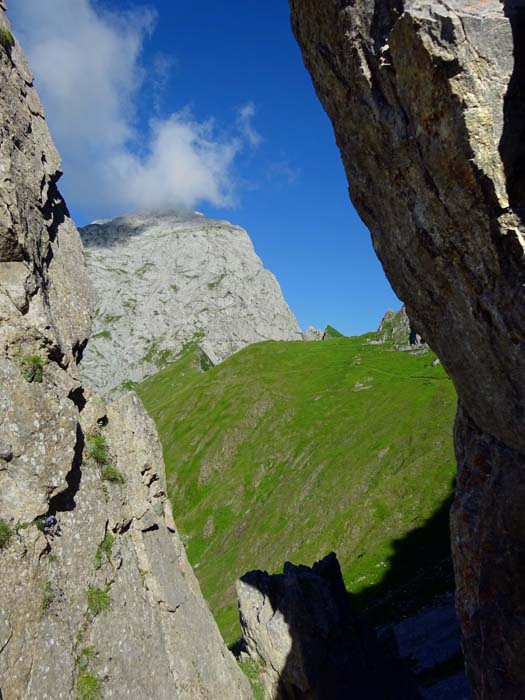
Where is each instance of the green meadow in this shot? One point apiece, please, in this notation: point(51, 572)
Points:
point(290, 450)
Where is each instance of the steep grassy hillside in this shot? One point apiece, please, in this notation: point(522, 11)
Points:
point(291, 450)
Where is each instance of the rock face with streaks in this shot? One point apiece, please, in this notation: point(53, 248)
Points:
point(428, 107)
point(108, 606)
point(163, 281)
point(301, 628)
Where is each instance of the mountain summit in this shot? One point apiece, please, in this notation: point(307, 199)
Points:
point(164, 281)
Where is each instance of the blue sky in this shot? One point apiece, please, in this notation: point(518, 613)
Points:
point(206, 105)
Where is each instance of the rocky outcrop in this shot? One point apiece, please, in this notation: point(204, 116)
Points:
point(312, 334)
point(107, 606)
point(427, 103)
point(395, 327)
point(168, 280)
point(300, 627)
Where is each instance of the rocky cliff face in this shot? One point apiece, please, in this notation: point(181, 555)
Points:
point(164, 281)
point(427, 103)
point(301, 627)
point(108, 606)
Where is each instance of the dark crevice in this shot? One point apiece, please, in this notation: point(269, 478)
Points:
point(55, 354)
point(65, 500)
point(78, 350)
point(122, 530)
point(78, 398)
point(151, 528)
point(512, 145)
point(386, 14)
point(54, 212)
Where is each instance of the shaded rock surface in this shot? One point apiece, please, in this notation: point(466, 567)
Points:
point(302, 629)
point(167, 280)
point(110, 604)
point(428, 107)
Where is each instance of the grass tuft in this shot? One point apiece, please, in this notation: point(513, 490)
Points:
point(98, 449)
point(112, 474)
point(83, 659)
point(6, 533)
point(7, 40)
point(252, 671)
point(88, 687)
point(32, 367)
point(104, 549)
point(98, 600)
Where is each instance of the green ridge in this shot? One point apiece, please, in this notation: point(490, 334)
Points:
point(288, 451)
point(331, 332)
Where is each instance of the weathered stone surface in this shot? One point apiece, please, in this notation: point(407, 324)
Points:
point(152, 634)
point(156, 638)
point(312, 334)
point(163, 281)
point(395, 327)
point(45, 299)
point(427, 103)
point(302, 629)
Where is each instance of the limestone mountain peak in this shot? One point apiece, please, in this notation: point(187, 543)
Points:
point(166, 280)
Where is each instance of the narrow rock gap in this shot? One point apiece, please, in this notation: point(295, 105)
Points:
point(78, 398)
point(512, 145)
point(65, 500)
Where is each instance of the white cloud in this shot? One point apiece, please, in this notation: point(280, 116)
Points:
point(89, 74)
point(244, 121)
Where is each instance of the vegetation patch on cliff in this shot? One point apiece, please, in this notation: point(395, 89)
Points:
point(6, 533)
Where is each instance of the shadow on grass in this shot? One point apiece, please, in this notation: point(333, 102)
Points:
point(419, 569)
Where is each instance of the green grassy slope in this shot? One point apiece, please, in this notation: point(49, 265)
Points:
point(288, 451)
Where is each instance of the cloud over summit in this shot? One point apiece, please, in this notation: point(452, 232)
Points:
point(89, 72)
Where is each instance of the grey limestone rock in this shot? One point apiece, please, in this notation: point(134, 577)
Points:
point(300, 627)
point(109, 603)
point(427, 102)
point(166, 280)
point(312, 333)
point(395, 327)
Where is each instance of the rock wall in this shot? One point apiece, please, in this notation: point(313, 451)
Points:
point(302, 630)
point(427, 103)
point(107, 607)
point(166, 280)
